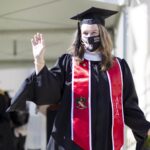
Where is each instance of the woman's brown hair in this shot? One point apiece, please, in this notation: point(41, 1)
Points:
point(77, 49)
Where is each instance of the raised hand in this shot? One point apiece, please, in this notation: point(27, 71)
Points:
point(38, 47)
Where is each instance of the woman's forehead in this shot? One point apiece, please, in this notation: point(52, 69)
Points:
point(89, 27)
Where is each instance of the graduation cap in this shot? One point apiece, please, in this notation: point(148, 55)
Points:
point(94, 16)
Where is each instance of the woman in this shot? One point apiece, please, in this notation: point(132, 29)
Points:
point(95, 90)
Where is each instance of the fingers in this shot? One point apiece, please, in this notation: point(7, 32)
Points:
point(33, 42)
point(42, 39)
point(37, 39)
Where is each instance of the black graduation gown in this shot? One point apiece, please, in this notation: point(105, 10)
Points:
point(54, 86)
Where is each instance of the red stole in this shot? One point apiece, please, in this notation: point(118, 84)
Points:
point(81, 132)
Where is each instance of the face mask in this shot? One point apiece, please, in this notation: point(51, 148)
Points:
point(91, 43)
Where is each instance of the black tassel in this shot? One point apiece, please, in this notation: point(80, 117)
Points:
point(78, 42)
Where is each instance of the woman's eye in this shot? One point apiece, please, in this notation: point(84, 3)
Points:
point(90, 34)
point(94, 33)
point(85, 33)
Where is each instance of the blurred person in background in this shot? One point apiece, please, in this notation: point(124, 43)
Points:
point(6, 133)
point(19, 121)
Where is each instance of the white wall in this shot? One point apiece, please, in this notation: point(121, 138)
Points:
point(11, 78)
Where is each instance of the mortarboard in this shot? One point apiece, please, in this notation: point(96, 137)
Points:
point(94, 16)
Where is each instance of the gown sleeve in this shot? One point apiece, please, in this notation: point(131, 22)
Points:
point(50, 83)
point(134, 117)
point(42, 89)
point(23, 94)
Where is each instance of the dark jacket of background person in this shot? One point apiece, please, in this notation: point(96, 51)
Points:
point(6, 134)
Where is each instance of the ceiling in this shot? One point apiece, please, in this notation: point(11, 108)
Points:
point(45, 14)
point(21, 19)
